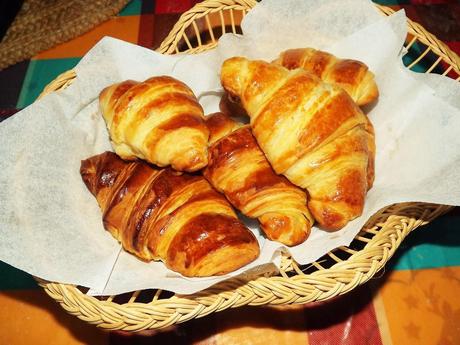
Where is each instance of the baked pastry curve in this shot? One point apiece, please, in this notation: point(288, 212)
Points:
point(163, 214)
point(310, 131)
point(238, 168)
point(232, 107)
point(352, 75)
point(159, 120)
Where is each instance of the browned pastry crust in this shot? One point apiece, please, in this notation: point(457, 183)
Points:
point(175, 217)
point(238, 168)
point(371, 151)
point(352, 75)
point(231, 107)
point(310, 131)
point(159, 120)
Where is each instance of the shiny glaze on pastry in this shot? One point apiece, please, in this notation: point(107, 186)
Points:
point(158, 120)
point(170, 216)
point(310, 131)
point(238, 168)
point(352, 75)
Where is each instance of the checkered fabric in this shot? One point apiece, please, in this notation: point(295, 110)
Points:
point(415, 301)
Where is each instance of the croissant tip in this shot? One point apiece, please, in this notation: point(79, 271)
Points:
point(193, 162)
point(284, 229)
point(88, 173)
point(89, 168)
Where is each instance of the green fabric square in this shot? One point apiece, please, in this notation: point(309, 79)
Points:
point(392, 2)
point(434, 245)
point(414, 52)
point(133, 8)
point(12, 278)
point(39, 74)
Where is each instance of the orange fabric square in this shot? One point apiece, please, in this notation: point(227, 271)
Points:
point(125, 28)
point(259, 326)
point(30, 316)
point(422, 306)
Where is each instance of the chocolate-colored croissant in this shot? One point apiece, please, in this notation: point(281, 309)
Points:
point(159, 120)
point(352, 75)
point(167, 215)
point(310, 131)
point(238, 168)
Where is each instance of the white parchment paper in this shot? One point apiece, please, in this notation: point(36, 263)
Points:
point(51, 225)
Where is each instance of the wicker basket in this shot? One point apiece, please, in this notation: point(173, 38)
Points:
point(337, 272)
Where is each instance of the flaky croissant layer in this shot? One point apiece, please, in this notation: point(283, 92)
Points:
point(170, 216)
point(158, 120)
point(352, 75)
point(310, 131)
point(238, 168)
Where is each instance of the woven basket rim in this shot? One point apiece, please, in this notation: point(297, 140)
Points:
point(170, 42)
point(387, 229)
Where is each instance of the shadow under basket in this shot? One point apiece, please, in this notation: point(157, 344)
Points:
point(336, 273)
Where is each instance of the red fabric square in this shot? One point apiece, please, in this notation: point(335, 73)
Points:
point(171, 6)
point(146, 30)
point(163, 24)
point(455, 46)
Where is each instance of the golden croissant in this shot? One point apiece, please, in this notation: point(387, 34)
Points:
point(352, 75)
point(310, 131)
point(163, 214)
point(238, 168)
point(159, 120)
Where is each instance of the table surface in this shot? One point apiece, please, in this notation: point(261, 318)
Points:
point(414, 301)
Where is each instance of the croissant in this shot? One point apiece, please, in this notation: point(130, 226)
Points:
point(232, 107)
point(310, 131)
point(167, 215)
point(238, 168)
point(159, 120)
point(353, 76)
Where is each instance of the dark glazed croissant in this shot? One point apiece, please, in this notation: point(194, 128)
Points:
point(167, 215)
point(352, 75)
point(238, 168)
point(311, 132)
point(159, 120)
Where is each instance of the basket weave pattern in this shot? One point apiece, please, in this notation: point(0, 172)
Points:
point(41, 25)
point(336, 273)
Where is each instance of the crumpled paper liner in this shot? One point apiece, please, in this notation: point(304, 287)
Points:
point(51, 225)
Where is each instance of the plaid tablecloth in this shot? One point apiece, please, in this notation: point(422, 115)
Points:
point(414, 301)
